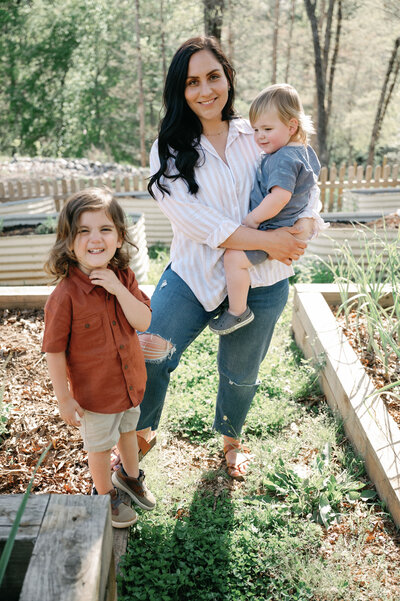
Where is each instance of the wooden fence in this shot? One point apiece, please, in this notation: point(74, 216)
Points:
point(332, 182)
point(19, 195)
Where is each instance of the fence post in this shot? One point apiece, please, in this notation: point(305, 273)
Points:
point(322, 179)
point(377, 176)
point(342, 172)
point(20, 190)
point(332, 181)
point(368, 176)
point(395, 175)
point(10, 190)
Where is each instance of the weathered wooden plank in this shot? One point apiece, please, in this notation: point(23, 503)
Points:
point(331, 292)
point(73, 553)
point(25, 539)
point(34, 297)
point(350, 391)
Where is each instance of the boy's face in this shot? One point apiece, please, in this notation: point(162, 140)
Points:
point(96, 241)
point(271, 133)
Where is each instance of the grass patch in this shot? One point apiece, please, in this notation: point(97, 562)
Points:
point(301, 527)
point(159, 257)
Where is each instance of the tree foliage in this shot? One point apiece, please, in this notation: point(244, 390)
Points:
point(81, 79)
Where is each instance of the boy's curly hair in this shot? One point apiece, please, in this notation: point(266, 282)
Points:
point(62, 256)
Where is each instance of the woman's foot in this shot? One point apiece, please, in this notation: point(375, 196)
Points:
point(237, 458)
point(145, 443)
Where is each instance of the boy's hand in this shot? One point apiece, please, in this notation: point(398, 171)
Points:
point(70, 409)
point(107, 279)
point(251, 221)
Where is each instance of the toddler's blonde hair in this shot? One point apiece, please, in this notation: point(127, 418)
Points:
point(286, 101)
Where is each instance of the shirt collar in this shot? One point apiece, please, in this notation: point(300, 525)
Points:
point(241, 125)
point(236, 127)
point(84, 281)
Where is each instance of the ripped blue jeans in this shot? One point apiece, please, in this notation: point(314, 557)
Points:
point(178, 317)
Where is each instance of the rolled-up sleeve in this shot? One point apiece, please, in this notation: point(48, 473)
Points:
point(196, 220)
point(282, 172)
point(57, 320)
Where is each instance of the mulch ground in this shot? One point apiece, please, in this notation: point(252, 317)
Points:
point(355, 329)
point(34, 421)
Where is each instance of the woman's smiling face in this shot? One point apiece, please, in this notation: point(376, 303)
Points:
point(207, 87)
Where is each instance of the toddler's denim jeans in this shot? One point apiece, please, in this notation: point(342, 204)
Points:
point(179, 318)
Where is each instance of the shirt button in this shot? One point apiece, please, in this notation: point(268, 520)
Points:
point(114, 323)
point(130, 387)
point(126, 366)
point(121, 346)
point(87, 325)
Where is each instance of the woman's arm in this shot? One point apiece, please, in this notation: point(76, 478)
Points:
point(280, 244)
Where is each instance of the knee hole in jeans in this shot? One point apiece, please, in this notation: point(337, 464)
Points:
point(154, 347)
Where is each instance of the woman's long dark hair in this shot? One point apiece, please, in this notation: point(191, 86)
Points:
point(180, 129)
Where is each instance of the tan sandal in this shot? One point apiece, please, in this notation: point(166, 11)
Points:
point(232, 469)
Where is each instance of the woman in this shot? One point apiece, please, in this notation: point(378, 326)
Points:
point(202, 167)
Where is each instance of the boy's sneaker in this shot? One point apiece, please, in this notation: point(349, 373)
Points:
point(227, 323)
point(122, 515)
point(135, 487)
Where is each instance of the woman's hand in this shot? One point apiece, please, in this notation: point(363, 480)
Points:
point(283, 246)
point(280, 244)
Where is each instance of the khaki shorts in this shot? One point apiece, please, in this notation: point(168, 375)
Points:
point(101, 431)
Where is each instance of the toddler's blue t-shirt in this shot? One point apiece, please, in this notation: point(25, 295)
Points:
point(293, 168)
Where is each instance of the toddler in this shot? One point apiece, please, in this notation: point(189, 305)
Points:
point(286, 175)
point(94, 358)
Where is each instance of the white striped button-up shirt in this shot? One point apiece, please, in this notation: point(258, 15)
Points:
point(201, 222)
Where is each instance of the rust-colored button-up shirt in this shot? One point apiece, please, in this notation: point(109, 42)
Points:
point(105, 363)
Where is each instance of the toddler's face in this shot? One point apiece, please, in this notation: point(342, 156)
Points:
point(271, 133)
point(96, 240)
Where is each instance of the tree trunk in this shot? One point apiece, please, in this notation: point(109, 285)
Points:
point(320, 83)
point(275, 42)
point(230, 31)
point(328, 34)
point(143, 154)
point(163, 57)
point(289, 41)
point(213, 17)
point(334, 60)
point(386, 93)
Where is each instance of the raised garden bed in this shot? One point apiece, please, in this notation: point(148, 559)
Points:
point(63, 549)
point(352, 231)
point(22, 256)
point(371, 199)
point(348, 389)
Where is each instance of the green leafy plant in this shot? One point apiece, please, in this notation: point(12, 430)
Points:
point(47, 227)
point(318, 495)
point(375, 272)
